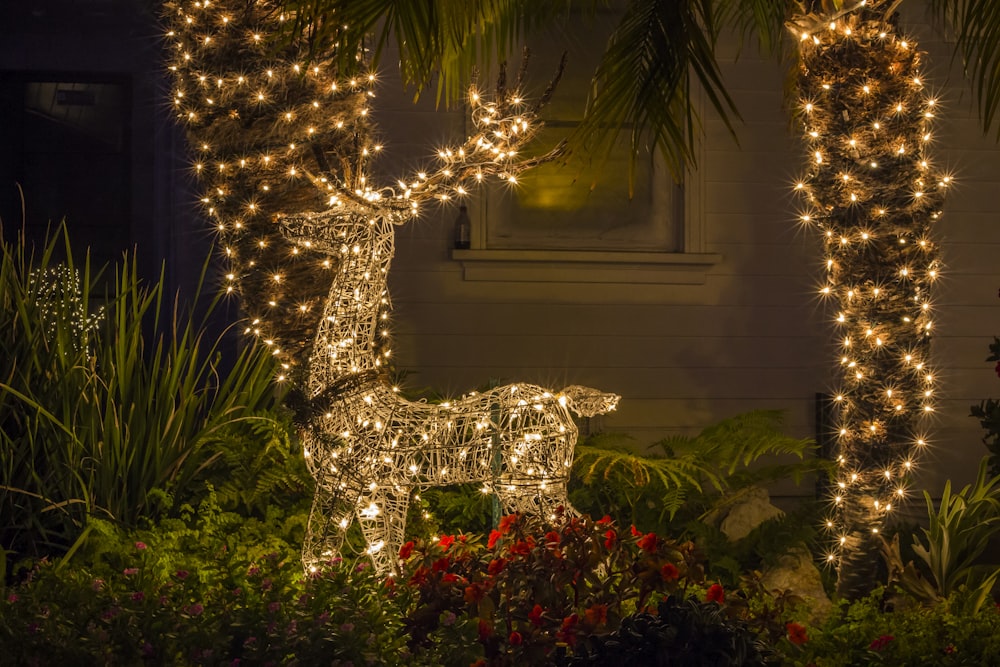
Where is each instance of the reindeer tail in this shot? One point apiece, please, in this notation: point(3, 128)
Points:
point(587, 402)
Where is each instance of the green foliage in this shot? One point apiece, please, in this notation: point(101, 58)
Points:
point(958, 534)
point(653, 488)
point(988, 413)
point(864, 633)
point(452, 509)
point(682, 632)
point(210, 588)
point(258, 465)
point(106, 414)
point(763, 547)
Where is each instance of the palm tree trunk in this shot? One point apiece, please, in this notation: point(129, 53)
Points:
point(872, 193)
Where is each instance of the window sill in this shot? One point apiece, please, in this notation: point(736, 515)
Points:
point(585, 266)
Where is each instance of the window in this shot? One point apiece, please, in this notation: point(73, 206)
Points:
point(574, 221)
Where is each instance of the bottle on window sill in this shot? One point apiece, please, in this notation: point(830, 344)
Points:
point(463, 229)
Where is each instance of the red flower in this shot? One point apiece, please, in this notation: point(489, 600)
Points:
point(881, 642)
point(796, 633)
point(485, 630)
point(496, 566)
point(446, 541)
point(647, 542)
point(635, 532)
point(604, 520)
point(405, 551)
point(474, 593)
point(610, 538)
point(419, 577)
point(523, 547)
point(552, 537)
point(597, 614)
point(669, 572)
point(506, 522)
point(515, 638)
point(494, 536)
point(997, 369)
point(566, 633)
point(535, 615)
point(441, 564)
point(390, 583)
point(716, 593)
point(478, 663)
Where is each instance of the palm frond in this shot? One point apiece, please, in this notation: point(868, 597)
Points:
point(976, 24)
point(643, 83)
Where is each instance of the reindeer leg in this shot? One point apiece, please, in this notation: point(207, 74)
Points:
point(382, 516)
point(332, 513)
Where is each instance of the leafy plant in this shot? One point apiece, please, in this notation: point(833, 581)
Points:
point(988, 414)
point(111, 414)
point(650, 489)
point(863, 633)
point(682, 632)
point(959, 532)
point(209, 588)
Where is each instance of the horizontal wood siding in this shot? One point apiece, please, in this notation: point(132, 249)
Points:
point(754, 336)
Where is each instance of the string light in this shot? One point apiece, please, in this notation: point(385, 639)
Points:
point(368, 447)
point(860, 79)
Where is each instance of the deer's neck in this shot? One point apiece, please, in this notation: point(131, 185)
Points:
point(348, 339)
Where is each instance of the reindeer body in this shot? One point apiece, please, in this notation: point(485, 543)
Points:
point(369, 448)
point(274, 140)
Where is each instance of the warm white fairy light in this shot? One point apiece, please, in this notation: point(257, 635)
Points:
point(860, 80)
point(309, 243)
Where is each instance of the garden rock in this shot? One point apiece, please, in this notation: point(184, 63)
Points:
point(796, 572)
point(750, 512)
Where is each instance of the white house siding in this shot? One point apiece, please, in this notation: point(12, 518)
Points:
point(753, 336)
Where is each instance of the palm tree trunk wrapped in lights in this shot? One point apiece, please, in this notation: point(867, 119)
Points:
point(872, 192)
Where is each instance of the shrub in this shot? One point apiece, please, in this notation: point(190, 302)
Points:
point(106, 412)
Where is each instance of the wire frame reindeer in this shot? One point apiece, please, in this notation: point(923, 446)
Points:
point(310, 248)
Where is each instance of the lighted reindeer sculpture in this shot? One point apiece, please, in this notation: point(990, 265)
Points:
point(310, 249)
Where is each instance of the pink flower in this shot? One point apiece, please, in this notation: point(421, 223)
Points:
point(181, 574)
point(716, 593)
point(12, 597)
point(195, 609)
point(138, 596)
point(129, 571)
point(141, 546)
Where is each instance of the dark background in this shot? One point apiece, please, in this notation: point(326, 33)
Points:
point(86, 136)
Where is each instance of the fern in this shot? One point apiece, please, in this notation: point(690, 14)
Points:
point(716, 461)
